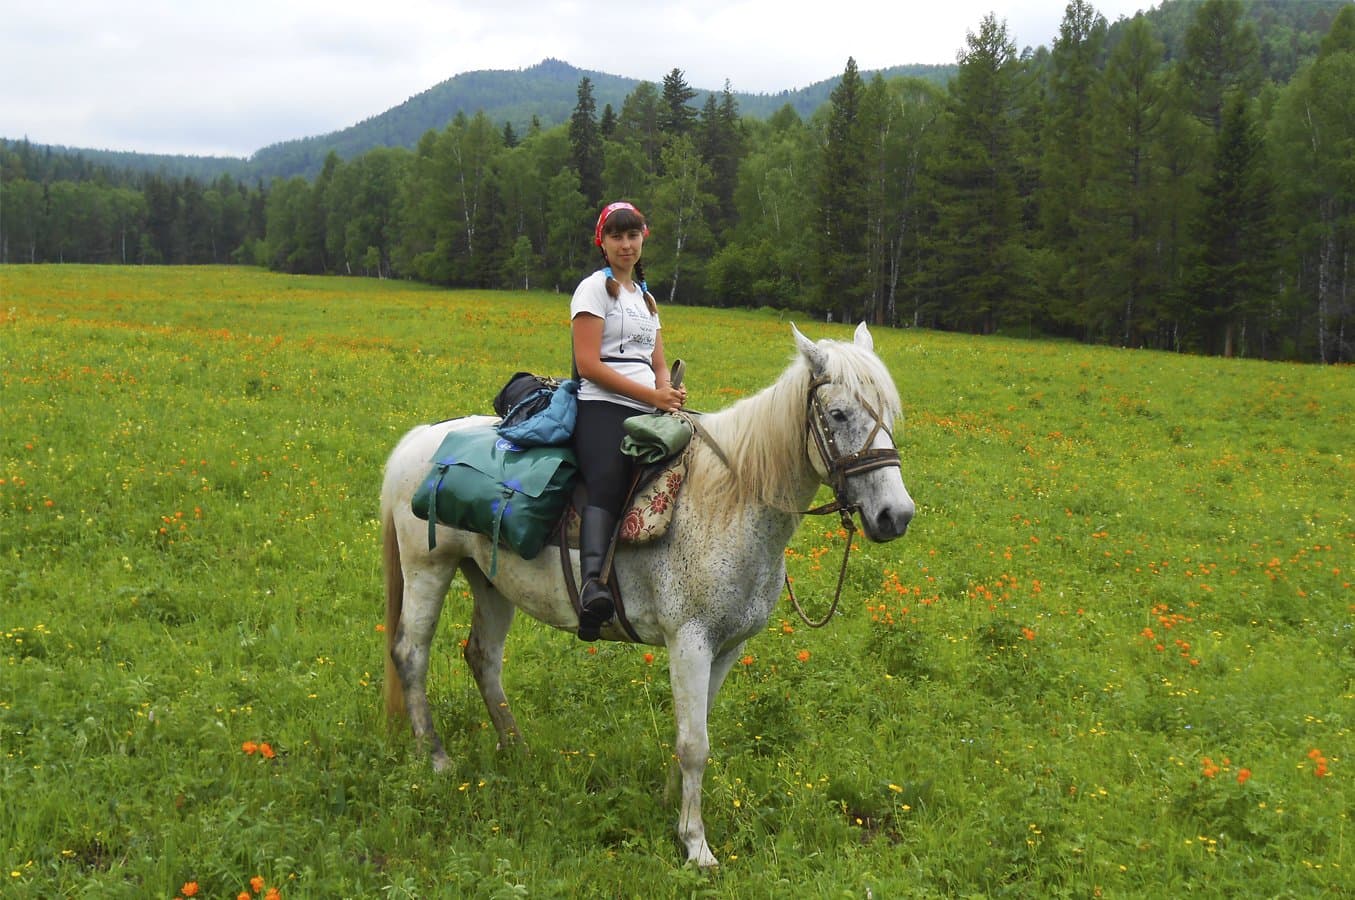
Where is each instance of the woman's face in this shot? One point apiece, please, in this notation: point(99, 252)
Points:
point(623, 247)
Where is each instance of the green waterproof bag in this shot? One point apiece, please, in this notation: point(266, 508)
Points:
point(655, 437)
point(485, 483)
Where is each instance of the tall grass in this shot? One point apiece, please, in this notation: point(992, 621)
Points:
point(1113, 656)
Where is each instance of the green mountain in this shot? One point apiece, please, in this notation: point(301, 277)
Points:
point(546, 91)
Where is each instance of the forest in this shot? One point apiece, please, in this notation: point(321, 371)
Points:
point(1183, 180)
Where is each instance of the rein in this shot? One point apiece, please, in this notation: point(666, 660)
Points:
point(840, 467)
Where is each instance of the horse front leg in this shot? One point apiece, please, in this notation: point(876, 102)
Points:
point(490, 621)
point(689, 667)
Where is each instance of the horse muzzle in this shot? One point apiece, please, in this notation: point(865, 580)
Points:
point(889, 521)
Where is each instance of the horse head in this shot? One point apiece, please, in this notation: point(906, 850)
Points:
point(850, 408)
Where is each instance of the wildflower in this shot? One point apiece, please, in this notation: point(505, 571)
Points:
point(266, 750)
point(243, 895)
point(803, 656)
point(250, 748)
point(256, 883)
point(649, 659)
point(747, 660)
point(190, 889)
point(273, 894)
point(1243, 775)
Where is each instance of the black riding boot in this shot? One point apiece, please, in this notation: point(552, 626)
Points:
point(595, 536)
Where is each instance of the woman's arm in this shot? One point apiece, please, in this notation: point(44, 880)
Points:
point(587, 337)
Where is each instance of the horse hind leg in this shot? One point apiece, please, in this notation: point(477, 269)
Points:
point(422, 605)
point(490, 621)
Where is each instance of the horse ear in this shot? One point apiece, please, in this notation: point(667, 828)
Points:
point(863, 338)
point(811, 352)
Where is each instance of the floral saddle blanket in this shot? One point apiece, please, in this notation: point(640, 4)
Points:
point(650, 510)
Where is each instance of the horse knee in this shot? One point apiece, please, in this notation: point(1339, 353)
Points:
point(693, 752)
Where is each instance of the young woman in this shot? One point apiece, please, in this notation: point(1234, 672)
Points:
point(618, 352)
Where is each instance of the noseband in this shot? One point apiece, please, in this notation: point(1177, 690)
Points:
point(842, 466)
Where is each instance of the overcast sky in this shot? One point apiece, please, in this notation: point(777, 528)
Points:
point(228, 77)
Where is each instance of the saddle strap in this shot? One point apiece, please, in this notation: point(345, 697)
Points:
point(612, 582)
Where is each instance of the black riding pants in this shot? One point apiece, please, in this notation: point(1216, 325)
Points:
point(606, 471)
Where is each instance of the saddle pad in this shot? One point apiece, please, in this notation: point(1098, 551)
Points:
point(650, 511)
point(482, 482)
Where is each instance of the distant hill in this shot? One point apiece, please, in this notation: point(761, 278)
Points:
point(547, 91)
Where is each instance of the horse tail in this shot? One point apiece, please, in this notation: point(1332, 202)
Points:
point(395, 601)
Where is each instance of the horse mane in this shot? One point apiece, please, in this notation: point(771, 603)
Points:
point(764, 436)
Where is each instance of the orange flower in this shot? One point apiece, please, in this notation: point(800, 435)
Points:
point(1243, 775)
point(649, 659)
point(243, 895)
point(747, 660)
point(190, 889)
point(250, 748)
point(267, 751)
point(803, 656)
point(256, 883)
point(273, 894)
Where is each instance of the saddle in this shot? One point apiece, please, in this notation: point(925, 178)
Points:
point(646, 517)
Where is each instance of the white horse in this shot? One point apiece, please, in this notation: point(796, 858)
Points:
point(702, 589)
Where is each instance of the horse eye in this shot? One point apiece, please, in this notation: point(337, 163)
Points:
point(838, 415)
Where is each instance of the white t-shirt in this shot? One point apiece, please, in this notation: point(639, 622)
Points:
point(629, 330)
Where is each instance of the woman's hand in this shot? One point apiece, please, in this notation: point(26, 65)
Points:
point(669, 399)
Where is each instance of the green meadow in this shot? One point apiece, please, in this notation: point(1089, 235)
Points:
point(1113, 657)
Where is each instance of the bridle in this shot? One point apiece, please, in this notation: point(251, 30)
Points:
point(839, 467)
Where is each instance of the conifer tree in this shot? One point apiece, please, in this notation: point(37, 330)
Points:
point(1129, 107)
point(586, 142)
point(1066, 176)
point(676, 115)
point(1222, 55)
point(840, 261)
point(1233, 275)
point(978, 251)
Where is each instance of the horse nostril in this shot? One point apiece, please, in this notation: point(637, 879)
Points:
point(894, 521)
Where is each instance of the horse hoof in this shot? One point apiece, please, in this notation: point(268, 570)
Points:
point(703, 859)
